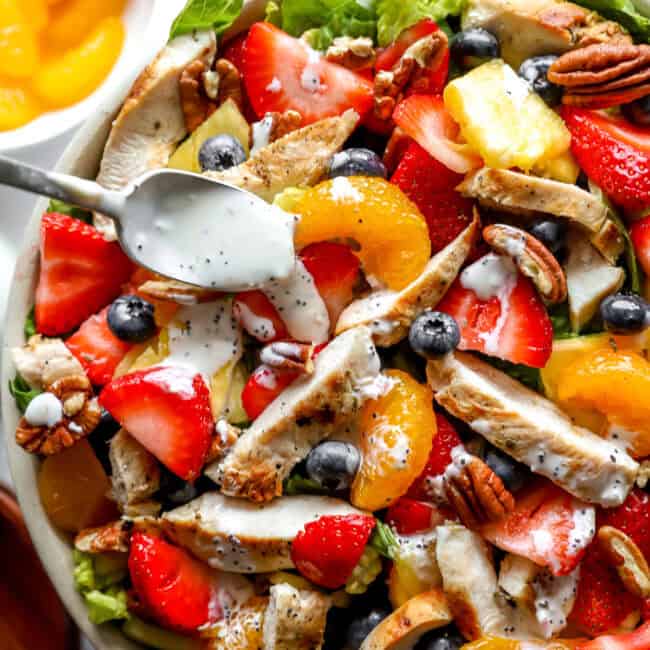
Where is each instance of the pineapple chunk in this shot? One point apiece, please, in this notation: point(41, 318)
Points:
point(564, 168)
point(503, 120)
point(226, 119)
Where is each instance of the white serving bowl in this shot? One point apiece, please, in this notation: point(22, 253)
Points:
point(81, 158)
point(137, 20)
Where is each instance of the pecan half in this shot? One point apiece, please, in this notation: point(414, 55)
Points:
point(476, 493)
point(603, 74)
point(352, 53)
point(409, 72)
point(532, 258)
point(175, 291)
point(230, 86)
point(113, 537)
point(289, 356)
point(628, 560)
point(195, 103)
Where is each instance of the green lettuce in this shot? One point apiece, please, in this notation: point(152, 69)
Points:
point(22, 392)
point(206, 14)
point(30, 324)
point(394, 16)
point(383, 540)
point(324, 20)
point(624, 12)
point(72, 211)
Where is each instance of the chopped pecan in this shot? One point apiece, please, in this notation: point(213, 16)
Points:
point(409, 72)
point(229, 83)
point(532, 258)
point(289, 356)
point(195, 102)
point(175, 291)
point(626, 557)
point(603, 74)
point(274, 126)
point(352, 53)
point(73, 391)
point(113, 537)
point(477, 494)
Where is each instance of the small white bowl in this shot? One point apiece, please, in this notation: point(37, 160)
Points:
point(137, 19)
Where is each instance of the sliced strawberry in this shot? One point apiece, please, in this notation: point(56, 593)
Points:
point(425, 119)
point(640, 233)
point(178, 591)
point(430, 185)
point(633, 518)
point(335, 269)
point(282, 73)
point(259, 317)
point(408, 516)
point(614, 153)
point(548, 526)
point(80, 273)
point(433, 82)
point(263, 386)
point(97, 348)
point(513, 325)
point(443, 442)
point(327, 550)
point(167, 409)
point(639, 639)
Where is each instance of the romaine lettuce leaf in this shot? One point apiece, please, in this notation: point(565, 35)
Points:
point(203, 14)
point(394, 16)
point(624, 12)
point(327, 19)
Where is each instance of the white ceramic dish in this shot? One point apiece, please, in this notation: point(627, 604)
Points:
point(81, 158)
point(137, 20)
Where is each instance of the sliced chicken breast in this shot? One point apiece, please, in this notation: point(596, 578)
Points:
point(389, 314)
point(521, 194)
point(345, 373)
point(532, 429)
point(40, 362)
point(295, 619)
point(151, 123)
point(301, 157)
point(242, 537)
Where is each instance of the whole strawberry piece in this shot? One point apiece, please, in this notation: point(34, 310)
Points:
point(80, 273)
point(640, 234)
point(178, 591)
point(167, 409)
point(327, 550)
point(443, 442)
point(614, 153)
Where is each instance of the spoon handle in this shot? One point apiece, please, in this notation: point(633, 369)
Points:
point(71, 189)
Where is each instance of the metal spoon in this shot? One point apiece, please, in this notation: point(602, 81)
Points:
point(181, 225)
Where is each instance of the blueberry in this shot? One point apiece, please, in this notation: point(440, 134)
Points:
point(101, 436)
point(333, 464)
point(356, 162)
point(625, 313)
point(512, 473)
point(174, 491)
point(534, 71)
point(361, 627)
point(551, 233)
point(638, 112)
point(473, 47)
point(131, 319)
point(446, 638)
point(221, 152)
point(434, 333)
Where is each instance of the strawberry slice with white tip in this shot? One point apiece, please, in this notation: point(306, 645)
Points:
point(425, 119)
point(283, 73)
point(167, 409)
point(258, 316)
point(510, 322)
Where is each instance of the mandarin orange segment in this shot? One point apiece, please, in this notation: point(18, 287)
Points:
point(68, 79)
point(19, 51)
point(498, 643)
point(73, 488)
point(397, 430)
point(617, 384)
point(390, 230)
point(75, 18)
point(17, 107)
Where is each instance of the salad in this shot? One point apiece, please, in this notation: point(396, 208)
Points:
point(434, 432)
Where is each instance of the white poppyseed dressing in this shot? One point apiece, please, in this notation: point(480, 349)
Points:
point(204, 337)
point(554, 598)
point(262, 133)
point(492, 276)
point(418, 551)
point(300, 305)
point(227, 239)
point(45, 410)
point(257, 326)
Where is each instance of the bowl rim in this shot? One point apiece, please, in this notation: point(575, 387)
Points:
point(82, 158)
